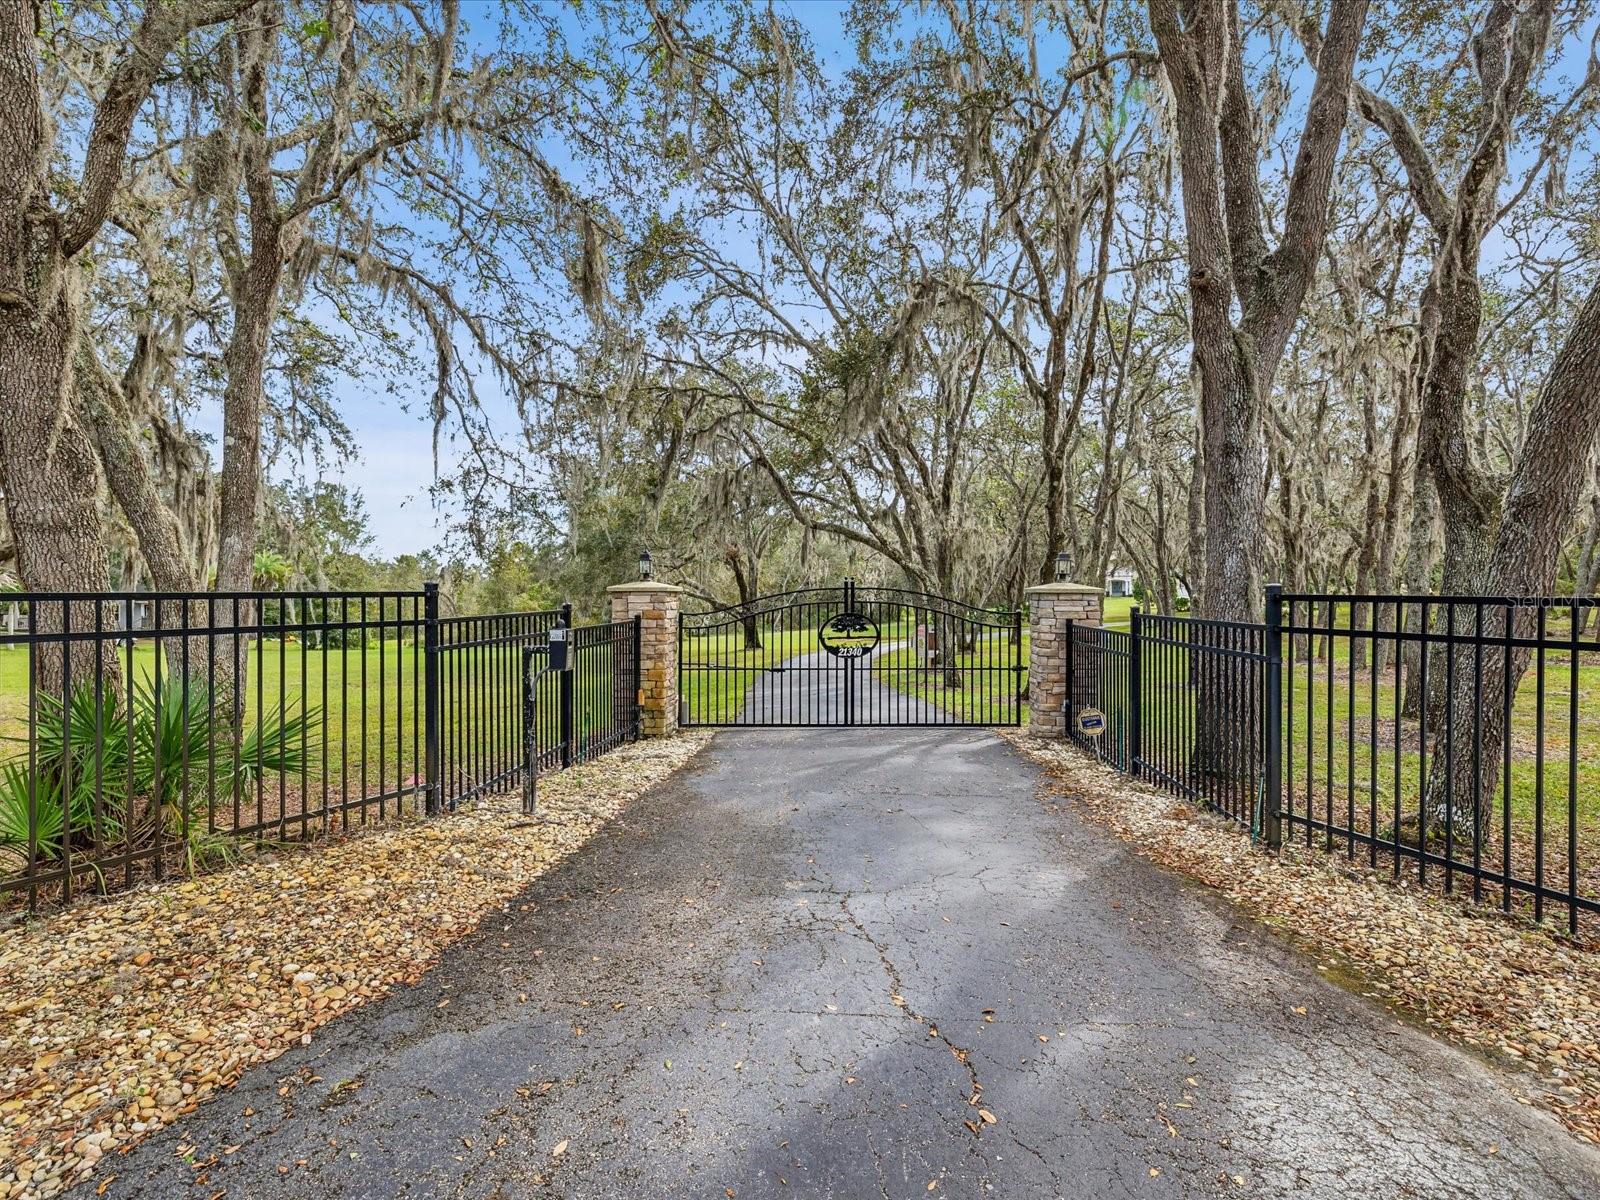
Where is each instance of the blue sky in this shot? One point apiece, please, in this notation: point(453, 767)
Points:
point(395, 468)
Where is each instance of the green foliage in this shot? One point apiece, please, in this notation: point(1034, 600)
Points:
point(269, 570)
point(101, 770)
point(16, 800)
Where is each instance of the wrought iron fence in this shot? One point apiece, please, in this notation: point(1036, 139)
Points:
point(142, 733)
point(1099, 675)
point(1455, 740)
point(1182, 702)
point(581, 697)
point(852, 655)
point(480, 696)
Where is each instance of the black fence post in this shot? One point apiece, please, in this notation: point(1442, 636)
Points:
point(1135, 691)
point(565, 695)
point(1069, 706)
point(530, 729)
point(638, 672)
point(1019, 688)
point(434, 802)
point(1271, 721)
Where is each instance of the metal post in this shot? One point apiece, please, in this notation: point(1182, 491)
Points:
point(565, 693)
point(530, 729)
point(1068, 705)
point(1019, 693)
point(434, 802)
point(849, 663)
point(1272, 704)
point(1135, 691)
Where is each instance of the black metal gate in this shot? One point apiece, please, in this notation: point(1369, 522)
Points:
point(851, 655)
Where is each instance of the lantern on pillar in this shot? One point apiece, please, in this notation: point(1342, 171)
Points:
point(645, 568)
point(1063, 566)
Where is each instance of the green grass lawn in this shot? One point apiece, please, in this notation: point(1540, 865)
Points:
point(989, 687)
point(1376, 756)
point(1116, 612)
point(362, 693)
point(368, 710)
point(715, 670)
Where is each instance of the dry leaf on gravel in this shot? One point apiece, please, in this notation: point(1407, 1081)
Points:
point(122, 1014)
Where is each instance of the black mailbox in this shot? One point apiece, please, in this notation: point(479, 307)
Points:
point(559, 659)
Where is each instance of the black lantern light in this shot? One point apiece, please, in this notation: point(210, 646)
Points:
point(644, 564)
point(1063, 567)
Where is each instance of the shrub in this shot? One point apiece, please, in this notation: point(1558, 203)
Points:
point(102, 771)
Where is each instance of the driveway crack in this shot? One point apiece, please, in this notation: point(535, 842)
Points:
point(897, 997)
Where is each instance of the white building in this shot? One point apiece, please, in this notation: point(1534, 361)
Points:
point(1121, 581)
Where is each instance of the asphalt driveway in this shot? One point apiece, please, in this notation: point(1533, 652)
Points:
point(865, 963)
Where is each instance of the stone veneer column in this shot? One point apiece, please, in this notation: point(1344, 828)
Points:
point(1050, 606)
point(657, 605)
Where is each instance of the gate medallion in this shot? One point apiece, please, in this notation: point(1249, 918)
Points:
point(849, 635)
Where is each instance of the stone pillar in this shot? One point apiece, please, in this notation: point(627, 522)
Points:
point(1050, 607)
point(657, 605)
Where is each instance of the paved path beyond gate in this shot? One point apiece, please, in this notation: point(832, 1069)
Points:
point(789, 971)
point(805, 692)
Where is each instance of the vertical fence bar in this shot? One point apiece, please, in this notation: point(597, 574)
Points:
point(564, 682)
point(1572, 772)
point(1135, 690)
point(530, 725)
point(430, 717)
point(1069, 705)
point(1271, 717)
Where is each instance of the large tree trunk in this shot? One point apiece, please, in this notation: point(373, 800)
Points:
point(1421, 554)
point(1229, 260)
point(52, 486)
point(254, 290)
point(1587, 573)
point(1469, 503)
point(203, 659)
point(1195, 540)
point(1539, 508)
point(163, 541)
point(746, 582)
point(1234, 451)
point(47, 466)
point(255, 302)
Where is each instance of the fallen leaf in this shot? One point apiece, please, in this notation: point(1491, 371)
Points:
point(230, 969)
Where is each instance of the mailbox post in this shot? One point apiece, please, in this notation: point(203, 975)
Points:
point(557, 657)
point(561, 662)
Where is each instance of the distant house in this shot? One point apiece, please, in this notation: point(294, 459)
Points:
point(141, 612)
point(1121, 582)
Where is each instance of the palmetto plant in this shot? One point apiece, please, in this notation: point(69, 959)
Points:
point(16, 830)
point(101, 771)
